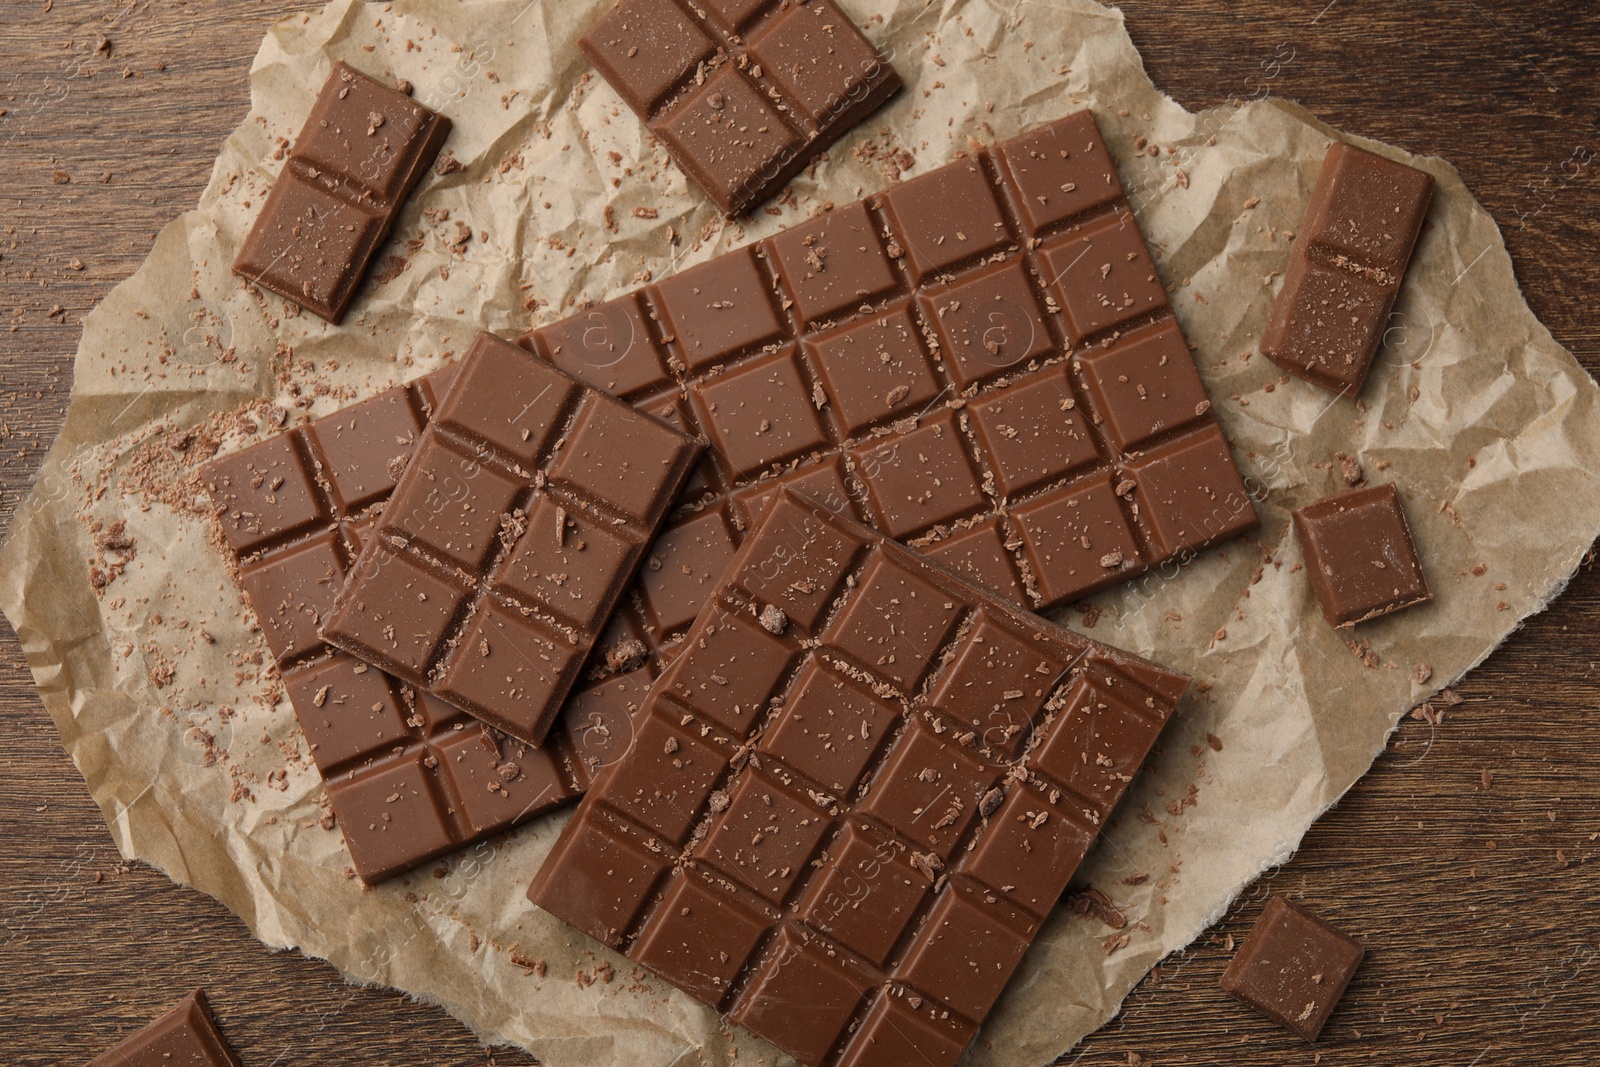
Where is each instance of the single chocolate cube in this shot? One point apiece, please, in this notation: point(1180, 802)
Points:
point(1293, 967)
point(183, 1037)
point(1345, 271)
point(1360, 554)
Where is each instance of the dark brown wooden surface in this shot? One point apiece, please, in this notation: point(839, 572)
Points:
point(1480, 907)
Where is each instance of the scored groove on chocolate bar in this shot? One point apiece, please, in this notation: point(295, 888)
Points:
point(408, 777)
point(980, 362)
point(361, 152)
point(521, 518)
point(743, 93)
point(855, 795)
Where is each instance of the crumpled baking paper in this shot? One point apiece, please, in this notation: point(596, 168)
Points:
point(154, 673)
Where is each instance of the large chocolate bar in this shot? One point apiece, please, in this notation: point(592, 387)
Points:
point(1346, 268)
point(980, 362)
point(854, 796)
point(363, 149)
point(743, 93)
point(519, 522)
point(409, 777)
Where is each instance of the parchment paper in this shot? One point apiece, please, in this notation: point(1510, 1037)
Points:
point(157, 682)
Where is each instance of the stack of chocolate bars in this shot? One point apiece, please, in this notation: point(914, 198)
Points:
point(750, 555)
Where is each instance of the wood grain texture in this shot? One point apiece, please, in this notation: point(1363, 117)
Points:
point(1480, 907)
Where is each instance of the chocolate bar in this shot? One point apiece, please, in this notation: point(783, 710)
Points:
point(980, 362)
point(854, 796)
point(361, 152)
point(1360, 555)
point(408, 776)
point(1346, 268)
point(186, 1036)
point(515, 528)
point(743, 93)
point(1293, 968)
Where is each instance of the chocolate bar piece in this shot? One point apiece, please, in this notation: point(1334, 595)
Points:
point(1293, 967)
point(743, 93)
point(359, 155)
point(518, 524)
point(1345, 271)
point(408, 776)
point(1360, 555)
point(854, 796)
point(183, 1037)
point(980, 362)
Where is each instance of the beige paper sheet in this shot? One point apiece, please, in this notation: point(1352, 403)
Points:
point(156, 682)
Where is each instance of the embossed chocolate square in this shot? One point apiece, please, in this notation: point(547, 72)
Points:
point(1293, 967)
point(855, 795)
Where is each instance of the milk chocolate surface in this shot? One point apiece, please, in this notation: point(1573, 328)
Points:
point(1346, 268)
point(1360, 555)
point(363, 149)
point(521, 518)
point(743, 93)
point(1293, 967)
point(183, 1037)
point(408, 776)
point(855, 795)
point(980, 362)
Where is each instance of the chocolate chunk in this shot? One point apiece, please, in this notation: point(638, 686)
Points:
point(1017, 412)
point(184, 1037)
point(1354, 245)
point(1293, 968)
point(734, 852)
point(520, 520)
point(1360, 555)
point(295, 511)
point(361, 152)
point(743, 93)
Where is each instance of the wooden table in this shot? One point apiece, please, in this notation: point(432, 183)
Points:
point(1481, 906)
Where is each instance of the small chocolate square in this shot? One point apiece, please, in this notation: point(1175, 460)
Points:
point(1359, 552)
point(1293, 967)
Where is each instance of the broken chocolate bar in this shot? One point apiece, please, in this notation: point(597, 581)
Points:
point(361, 152)
point(1346, 268)
point(408, 777)
point(743, 93)
point(854, 796)
point(183, 1037)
